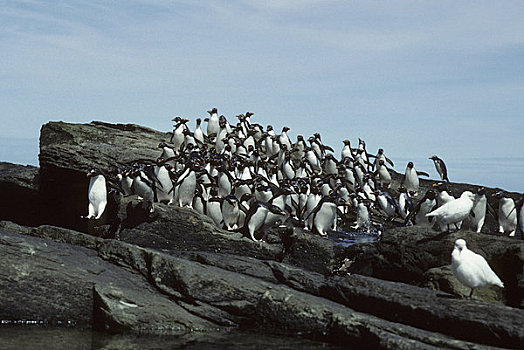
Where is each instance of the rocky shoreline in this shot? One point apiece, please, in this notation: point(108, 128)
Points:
point(175, 273)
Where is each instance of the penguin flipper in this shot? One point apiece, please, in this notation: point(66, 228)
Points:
point(389, 161)
point(328, 148)
point(492, 212)
point(422, 173)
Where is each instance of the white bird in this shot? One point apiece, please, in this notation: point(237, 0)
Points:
point(455, 210)
point(471, 269)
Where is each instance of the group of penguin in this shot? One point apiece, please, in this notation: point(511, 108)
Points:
point(249, 178)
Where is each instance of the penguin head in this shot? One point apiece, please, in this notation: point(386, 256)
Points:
point(346, 142)
point(434, 157)
point(162, 145)
point(410, 165)
point(481, 191)
point(499, 194)
point(249, 114)
point(285, 129)
point(431, 194)
point(94, 172)
point(212, 111)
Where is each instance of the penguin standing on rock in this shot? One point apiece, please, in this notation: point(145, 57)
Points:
point(96, 194)
point(410, 180)
point(441, 168)
point(506, 214)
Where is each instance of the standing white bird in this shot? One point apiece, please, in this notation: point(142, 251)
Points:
point(471, 269)
point(455, 210)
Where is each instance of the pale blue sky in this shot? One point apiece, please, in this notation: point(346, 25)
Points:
point(413, 77)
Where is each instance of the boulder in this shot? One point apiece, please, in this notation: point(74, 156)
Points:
point(405, 254)
point(120, 287)
point(19, 187)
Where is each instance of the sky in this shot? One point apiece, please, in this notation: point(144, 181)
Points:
point(415, 78)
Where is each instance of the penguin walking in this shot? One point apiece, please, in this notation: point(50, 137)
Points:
point(254, 221)
point(387, 204)
point(96, 194)
point(506, 213)
point(441, 168)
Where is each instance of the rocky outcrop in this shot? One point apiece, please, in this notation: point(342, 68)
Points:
point(120, 287)
point(173, 272)
point(419, 256)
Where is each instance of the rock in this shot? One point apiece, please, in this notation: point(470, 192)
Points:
point(405, 254)
point(19, 189)
point(441, 278)
point(60, 283)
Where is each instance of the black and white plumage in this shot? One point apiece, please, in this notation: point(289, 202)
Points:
point(265, 170)
point(440, 166)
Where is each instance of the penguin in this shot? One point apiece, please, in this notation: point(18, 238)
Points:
point(346, 152)
point(284, 139)
point(363, 219)
point(213, 206)
point(143, 187)
point(178, 137)
point(387, 203)
point(167, 153)
point(382, 172)
point(230, 212)
point(405, 203)
point(325, 214)
point(125, 181)
point(418, 215)
point(96, 194)
point(256, 217)
point(506, 213)
point(410, 180)
point(212, 123)
point(198, 134)
point(454, 211)
point(475, 222)
point(381, 156)
point(164, 182)
point(441, 168)
point(186, 183)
